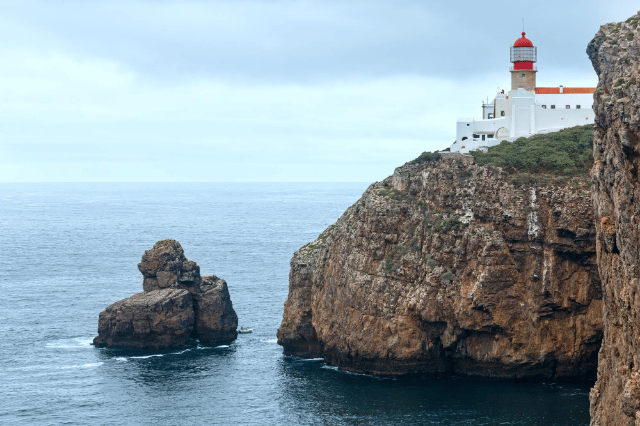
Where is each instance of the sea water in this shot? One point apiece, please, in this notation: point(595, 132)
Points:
point(69, 250)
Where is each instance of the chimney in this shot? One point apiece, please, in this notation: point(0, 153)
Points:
point(561, 89)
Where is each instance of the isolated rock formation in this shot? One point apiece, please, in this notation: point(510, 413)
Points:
point(615, 54)
point(452, 267)
point(177, 304)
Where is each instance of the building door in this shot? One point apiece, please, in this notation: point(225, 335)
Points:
point(483, 136)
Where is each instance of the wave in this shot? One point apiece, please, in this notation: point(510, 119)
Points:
point(59, 367)
point(74, 343)
point(270, 341)
point(351, 373)
point(154, 355)
point(147, 356)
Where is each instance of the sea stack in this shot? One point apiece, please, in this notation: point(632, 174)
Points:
point(176, 304)
point(454, 267)
point(615, 54)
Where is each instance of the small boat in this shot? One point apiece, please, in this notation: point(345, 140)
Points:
point(245, 330)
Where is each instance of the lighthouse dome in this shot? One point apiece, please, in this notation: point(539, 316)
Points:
point(523, 42)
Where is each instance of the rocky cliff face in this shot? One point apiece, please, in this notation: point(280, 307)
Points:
point(615, 54)
point(452, 267)
point(177, 304)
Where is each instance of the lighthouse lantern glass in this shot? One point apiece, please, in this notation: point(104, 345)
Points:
point(524, 54)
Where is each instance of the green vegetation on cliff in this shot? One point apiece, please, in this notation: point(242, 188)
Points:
point(568, 152)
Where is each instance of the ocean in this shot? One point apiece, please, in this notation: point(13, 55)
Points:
point(69, 250)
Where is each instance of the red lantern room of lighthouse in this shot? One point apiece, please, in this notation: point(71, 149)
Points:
point(523, 73)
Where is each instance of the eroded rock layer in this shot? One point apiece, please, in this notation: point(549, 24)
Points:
point(615, 54)
point(177, 304)
point(452, 267)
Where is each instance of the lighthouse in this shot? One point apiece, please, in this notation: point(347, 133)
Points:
point(525, 109)
point(523, 72)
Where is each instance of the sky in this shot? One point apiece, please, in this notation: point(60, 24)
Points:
point(263, 91)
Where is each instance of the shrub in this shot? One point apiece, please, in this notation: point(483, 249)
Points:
point(568, 152)
point(426, 157)
point(388, 265)
point(447, 276)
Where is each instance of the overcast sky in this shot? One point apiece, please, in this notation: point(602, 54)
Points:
point(236, 90)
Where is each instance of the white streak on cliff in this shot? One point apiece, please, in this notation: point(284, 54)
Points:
point(532, 218)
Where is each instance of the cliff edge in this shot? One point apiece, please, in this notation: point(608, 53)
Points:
point(615, 54)
point(453, 266)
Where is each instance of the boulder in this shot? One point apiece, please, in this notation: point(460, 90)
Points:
point(216, 320)
point(156, 319)
point(176, 304)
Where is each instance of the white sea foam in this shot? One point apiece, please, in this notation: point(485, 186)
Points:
point(330, 367)
point(60, 367)
point(121, 359)
point(222, 346)
point(312, 359)
point(146, 356)
point(89, 365)
point(270, 341)
point(75, 343)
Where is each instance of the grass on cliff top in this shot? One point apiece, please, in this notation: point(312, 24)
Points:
point(568, 152)
point(426, 157)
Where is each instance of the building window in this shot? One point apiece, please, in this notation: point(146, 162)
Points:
point(544, 107)
point(465, 138)
point(523, 75)
point(489, 136)
point(468, 125)
point(490, 115)
point(476, 136)
point(483, 136)
point(568, 107)
point(502, 113)
point(577, 106)
point(553, 107)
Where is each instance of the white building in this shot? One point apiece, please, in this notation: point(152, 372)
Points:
point(526, 109)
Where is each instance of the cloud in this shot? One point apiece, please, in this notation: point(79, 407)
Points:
point(261, 90)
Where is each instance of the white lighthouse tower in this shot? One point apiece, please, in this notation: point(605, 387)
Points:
point(526, 109)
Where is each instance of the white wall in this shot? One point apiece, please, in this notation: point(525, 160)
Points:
point(466, 127)
point(526, 117)
point(556, 119)
point(585, 100)
point(487, 109)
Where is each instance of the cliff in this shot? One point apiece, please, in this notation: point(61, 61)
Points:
point(615, 54)
point(451, 266)
point(176, 305)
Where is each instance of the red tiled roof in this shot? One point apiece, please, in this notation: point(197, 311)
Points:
point(567, 90)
